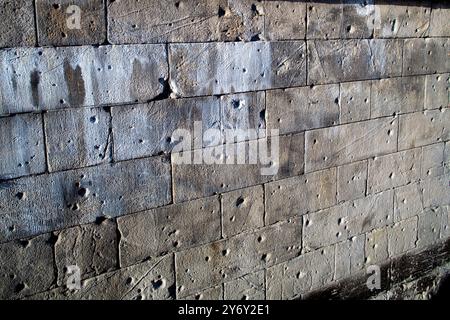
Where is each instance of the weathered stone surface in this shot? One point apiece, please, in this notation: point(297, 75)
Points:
point(17, 23)
point(422, 128)
point(22, 146)
point(354, 101)
point(376, 247)
point(430, 226)
point(402, 20)
point(26, 267)
point(347, 220)
point(77, 138)
point(397, 95)
point(299, 109)
point(53, 78)
point(224, 173)
point(440, 24)
point(436, 191)
point(394, 170)
point(300, 275)
point(402, 237)
point(349, 257)
point(242, 210)
point(150, 280)
point(426, 56)
point(57, 22)
point(148, 129)
point(332, 61)
point(351, 181)
point(408, 201)
point(445, 230)
point(218, 68)
point(232, 258)
point(447, 158)
point(340, 19)
point(35, 205)
point(349, 143)
point(214, 293)
point(285, 20)
point(437, 91)
point(433, 160)
point(154, 233)
point(299, 195)
point(154, 21)
point(91, 247)
point(248, 287)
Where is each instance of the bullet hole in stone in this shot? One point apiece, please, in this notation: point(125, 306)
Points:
point(134, 26)
point(260, 239)
point(129, 281)
point(349, 29)
point(20, 287)
point(198, 297)
point(336, 100)
point(56, 6)
point(40, 53)
point(239, 202)
point(61, 101)
point(11, 228)
point(24, 243)
point(109, 67)
point(233, 218)
point(264, 257)
point(93, 119)
point(262, 114)
point(307, 223)
point(207, 259)
point(75, 207)
point(221, 12)
point(176, 244)
point(63, 35)
point(225, 252)
point(244, 297)
point(107, 109)
point(20, 195)
point(157, 283)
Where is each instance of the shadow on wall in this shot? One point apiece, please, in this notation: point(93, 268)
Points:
point(443, 293)
point(435, 4)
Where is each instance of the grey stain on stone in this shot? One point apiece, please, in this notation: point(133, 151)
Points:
point(75, 84)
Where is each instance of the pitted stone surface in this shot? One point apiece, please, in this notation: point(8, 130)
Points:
point(376, 247)
point(248, 287)
point(437, 91)
point(426, 56)
point(351, 181)
point(408, 201)
point(17, 23)
point(354, 101)
point(433, 163)
point(402, 237)
point(440, 24)
point(349, 257)
point(285, 20)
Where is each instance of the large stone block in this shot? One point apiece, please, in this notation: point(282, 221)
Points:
point(248, 287)
point(354, 101)
point(349, 257)
point(90, 247)
point(397, 95)
point(154, 233)
point(332, 61)
point(285, 20)
point(408, 201)
point(394, 170)
point(423, 128)
point(22, 146)
point(440, 24)
point(347, 220)
point(54, 78)
point(433, 163)
point(299, 195)
point(299, 109)
point(351, 181)
point(17, 23)
point(44, 203)
point(26, 267)
point(217, 68)
point(348, 143)
point(242, 210)
point(340, 19)
point(430, 226)
point(68, 22)
point(233, 258)
point(376, 247)
point(402, 237)
point(426, 56)
point(437, 91)
point(77, 138)
point(436, 191)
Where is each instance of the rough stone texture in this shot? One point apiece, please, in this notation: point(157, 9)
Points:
point(22, 146)
point(439, 22)
point(348, 143)
point(17, 23)
point(426, 56)
point(447, 158)
point(433, 160)
point(214, 293)
point(150, 280)
point(26, 267)
point(347, 220)
point(248, 287)
point(77, 138)
point(394, 170)
point(299, 195)
point(354, 101)
point(436, 191)
point(91, 247)
point(300, 275)
point(148, 129)
point(242, 210)
point(355, 19)
point(299, 109)
point(154, 21)
point(408, 201)
point(35, 205)
point(332, 61)
point(402, 237)
point(232, 258)
point(53, 78)
point(397, 95)
point(437, 91)
point(430, 225)
point(376, 247)
point(349, 257)
point(236, 67)
point(284, 20)
point(154, 233)
point(422, 128)
point(411, 19)
point(351, 181)
point(56, 25)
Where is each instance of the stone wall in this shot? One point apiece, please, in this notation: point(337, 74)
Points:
point(91, 95)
